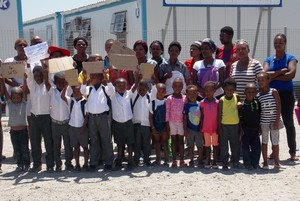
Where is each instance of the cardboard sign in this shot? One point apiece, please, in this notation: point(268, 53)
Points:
point(119, 48)
point(13, 69)
point(93, 67)
point(147, 70)
point(124, 61)
point(37, 52)
point(71, 77)
point(60, 64)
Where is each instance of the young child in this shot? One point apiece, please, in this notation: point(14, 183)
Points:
point(270, 118)
point(78, 132)
point(209, 123)
point(18, 125)
point(40, 118)
point(139, 103)
point(191, 124)
point(97, 108)
point(157, 117)
point(250, 122)
point(228, 122)
point(174, 118)
point(122, 126)
point(59, 113)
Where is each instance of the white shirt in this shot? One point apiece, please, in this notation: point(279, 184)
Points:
point(59, 109)
point(140, 109)
point(76, 116)
point(121, 106)
point(97, 101)
point(40, 98)
point(217, 63)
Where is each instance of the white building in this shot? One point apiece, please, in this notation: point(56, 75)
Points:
point(130, 20)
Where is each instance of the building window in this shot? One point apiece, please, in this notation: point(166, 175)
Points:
point(67, 30)
point(31, 33)
point(85, 28)
point(118, 22)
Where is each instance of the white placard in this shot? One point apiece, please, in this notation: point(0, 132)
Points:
point(37, 52)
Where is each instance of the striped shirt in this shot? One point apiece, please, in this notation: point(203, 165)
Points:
point(243, 77)
point(268, 106)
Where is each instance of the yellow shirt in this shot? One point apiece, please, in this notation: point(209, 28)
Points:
point(230, 114)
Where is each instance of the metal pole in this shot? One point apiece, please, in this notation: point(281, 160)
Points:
point(257, 32)
point(208, 21)
point(238, 35)
point(269, 31)
point(164, 31)
point(175, 23)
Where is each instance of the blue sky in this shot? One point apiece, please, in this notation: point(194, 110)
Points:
point(36, 8)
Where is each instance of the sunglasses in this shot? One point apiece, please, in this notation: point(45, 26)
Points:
point(22, 44)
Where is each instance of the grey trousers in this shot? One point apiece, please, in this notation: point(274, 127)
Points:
point(60, 131)
point(230, 133)
point(142, 137)
point(100, 138)
point(41, 126)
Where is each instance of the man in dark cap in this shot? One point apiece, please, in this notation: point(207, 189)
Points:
point(227, 52)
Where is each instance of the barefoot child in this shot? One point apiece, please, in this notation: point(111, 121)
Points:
point(78, 131)
point(228, 119)
point(270, 118)
point(250, 117)
point(157, 117)
point(18, 125)
point(209, 123)
point(191, 124)
point(174, 118)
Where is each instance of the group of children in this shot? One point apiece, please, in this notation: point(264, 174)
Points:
point(88, 116)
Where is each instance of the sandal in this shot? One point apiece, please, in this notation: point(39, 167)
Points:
point(279, 167)
point(294, 158)
point(183, 164)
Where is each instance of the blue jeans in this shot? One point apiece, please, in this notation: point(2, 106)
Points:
point(251, 147)
point(19, 140)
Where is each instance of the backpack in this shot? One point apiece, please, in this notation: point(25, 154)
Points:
point(82, 103)
point(136, 98)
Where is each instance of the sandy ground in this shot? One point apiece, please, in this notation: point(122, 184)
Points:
point(153, 183)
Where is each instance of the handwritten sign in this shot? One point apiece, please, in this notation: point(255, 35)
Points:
point(124, 61)
point(93, 67)
point(37, 52)
point(13, 69)
point(71, 77)
point(60, 64)
point(119, 48)
point(147, 70)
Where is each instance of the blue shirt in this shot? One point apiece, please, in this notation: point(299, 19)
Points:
point(278, 64)
point(192, 110)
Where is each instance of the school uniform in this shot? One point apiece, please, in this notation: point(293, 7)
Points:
point(97, 109)
point(59, 112)
point(41, 122)
point(141, 124)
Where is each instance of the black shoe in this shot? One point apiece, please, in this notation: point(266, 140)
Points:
point(26, 168)
point(58, 168)
point(50, 169)
point(35, 169)
point(77, 168)
point(19, 169)
point(69, 167)
point(85, 168)
point(225, 167)
point(130, 165)
point(118, 165)
point(148, 163)
point(92, 168)
point(107, 168)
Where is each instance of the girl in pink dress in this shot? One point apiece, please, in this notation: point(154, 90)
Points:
point(174, 118)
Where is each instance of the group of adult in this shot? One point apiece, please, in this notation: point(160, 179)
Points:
point(207, 62)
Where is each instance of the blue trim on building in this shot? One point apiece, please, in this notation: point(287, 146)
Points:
point(39, 21)
point(99, 8)
point(220, 5)
point(20, 18)
point(59, 28)
point(144, 20)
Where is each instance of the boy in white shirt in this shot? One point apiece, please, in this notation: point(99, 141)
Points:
point(40, 118)
point(77, 125)
point(97, 108)
point(140, 102)
point(59, 112)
